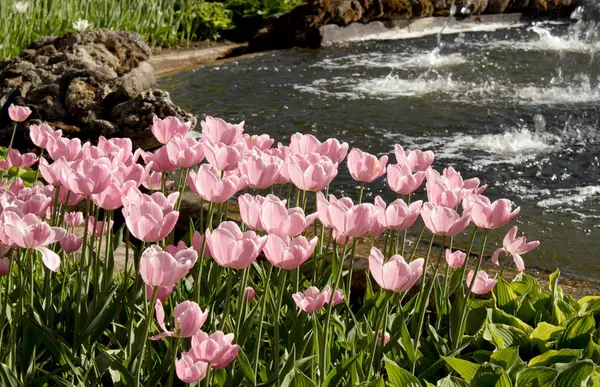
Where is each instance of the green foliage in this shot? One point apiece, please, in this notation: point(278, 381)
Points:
point(264, 8)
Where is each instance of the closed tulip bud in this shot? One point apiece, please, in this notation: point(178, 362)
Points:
point(162, 293)
point(70, 243)
point(4, 266)
point(312, 299)
point(190, 370)
point(365, 167)
point(249, 293)
point(483, 284)
point(455, 259)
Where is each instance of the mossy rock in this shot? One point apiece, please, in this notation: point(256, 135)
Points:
point(422, 8)
point(497, 6)
point(397, 9)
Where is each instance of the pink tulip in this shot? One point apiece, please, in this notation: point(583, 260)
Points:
point(347, 219)
point(159, 159)
point(174, 249)
point(251, 209)
point(101, 227)
point(215, 348)
point(311, 172)
point(395, 274)
point(150, 218)
point(39, 134)
point(110, 198)
point(27, 202)
point(312, 299)
point(441, 220)
point(397, 216)
point(323, 207)
point(88, 151)
point(70, 243)
point(18, 160)
point(162, 293)
point(29, 232)
point(209, 185)
point(511, 245)
point(262, 142)
point(224, 157)
point(279, 220)
point(441, 194)
point(261, 170)
point(119, 149)
point(336, 298)
point(74, 218)
point(64, 195)
point(287, 253)
point(334, 150)
point(159, 268)
point(188, 317)
point(198, 243)
point(386, 338)
point(184, 152)
point(304, 143)
point(59, 147)
point(18, 113)
point(189, 370)
point(365, 167)
point(455, 259)
point(86, 176)
point(217, 130)
point(470, 198)
point(494, 215)
point(402, 181)
point(52, 172)
point(4, 266)
point(164, 130)
point(230, 247)
point(417, 160)
point(483, 284)
point(153, 182)
point(134, 173)
point(249, 293)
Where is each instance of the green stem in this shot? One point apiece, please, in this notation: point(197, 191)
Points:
point(242, 302)
point(376, 351)
point(12, 138)
point(282, 278)
point(262, 319)
point(412, 254)
point(229, 274)
point(149, 317)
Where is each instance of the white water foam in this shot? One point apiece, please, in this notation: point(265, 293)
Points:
point(392, 86)
point(572, 196)
point(431, 59)
point(580, 92)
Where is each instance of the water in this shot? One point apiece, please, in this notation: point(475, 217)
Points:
point(517, 107)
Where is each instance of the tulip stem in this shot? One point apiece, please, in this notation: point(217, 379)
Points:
point(469, 250)
point(12, 138)
point(379, 326)
point(503, 268)
point(37, 171)
point(282, 278)
point(262, 319)
point(445, 294)
point(198, 281)
point(465, 311)
point(412, 254)
point(149, 317)
point(242, 303)
point(229, 274)
point(82, 264)
point(107, 252)
point(408, 200)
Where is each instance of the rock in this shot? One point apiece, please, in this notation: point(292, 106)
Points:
point(76, 81)
point(345, 12)
point(397, 9)
point(497, 6)
point(422, 8)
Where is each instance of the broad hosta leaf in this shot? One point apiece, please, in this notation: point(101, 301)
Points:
point(505, 358)
point(577, 333)
point(452, 381)
point(399, 376)
point(464, 368)
point(576, 374)
point(490, 375)
point(500, 317)
point(536, 377)
point(552, 357)
point(506, 298)
point(562, 308)
point(504, 336)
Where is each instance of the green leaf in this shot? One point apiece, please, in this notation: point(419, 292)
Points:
point(536, 377)
point(577, 333)
point(335, 376)
point(464, 368)
point(500, 317)
point(452, 381)
point(399, 376)
point(295, 378)
point(576, 374)
point(8, 377)
point(504, 336)
point(406, 340)
point(506, 298)
point(103, 317)
point(246, 367)
point(552, 357)
point(489, 375)
point(505, 358)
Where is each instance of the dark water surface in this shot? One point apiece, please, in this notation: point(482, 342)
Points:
point(516, 107)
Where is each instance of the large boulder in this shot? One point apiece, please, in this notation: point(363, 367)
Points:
point(497, 6)
point(80, 83)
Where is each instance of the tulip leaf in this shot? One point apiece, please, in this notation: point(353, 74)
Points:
point(245, 366)
point(8, 377)
point(464, 368)
point(577, 333)
point(103, 316)
point(505, 358)
point(335, 376)
point(399, 376)
point(536, 377)
point(295, 378)
point(553, 356)
point(575, 374)
point(489, 375)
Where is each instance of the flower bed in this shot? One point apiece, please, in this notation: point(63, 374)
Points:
point(255, 302)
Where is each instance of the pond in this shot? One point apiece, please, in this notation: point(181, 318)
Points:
point(516, 107)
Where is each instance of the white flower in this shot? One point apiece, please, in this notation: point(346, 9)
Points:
point(81, 25)
point(20, 6)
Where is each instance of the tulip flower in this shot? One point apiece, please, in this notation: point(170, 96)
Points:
point(311, 300)
point(279, 220)
point(365, 167)
point(29, 232)
point(74, 218)
point(402, 181)
point(311, 172)
point(135, 173)
point(189, 370)
point(52, 172)
point(188, 317)
point(70, 243)
point(159, 268)
point(162, 292)
point(494, 215)
point(441, 194)
point(59, 147)
point(18, 113)
point(28, 202)
point(397, 216)
point(4, 266)
point(251, 209)
point(304, 143)
point(209, 185)
point(455, 259)
point(230, 247)
point(18, 160)
point(417, 160)
point(198, 242)
point(262, 142)
point(184, 152)
point(395, 274)
point(215, 348)
point(218, 130)
point(110, 198)
point(483, 284)
point(39, 134)
point(441, 220)
point(87, 176)
point(336, 298)
point(511, 245)
point(222, 156)
point(470, 198)
point(164, 130)
point(287, 253)
point(150, 218)
point(386, 338)
point(159, 159)
point(323, 207)
point(120, 149)
point(343, 216)
point(261, 170)
point(153, 182)
point(333, 149)
point(101, 227)
point(249, 293)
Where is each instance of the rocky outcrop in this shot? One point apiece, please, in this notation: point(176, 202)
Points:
point(91, 84)
point(300, 27)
